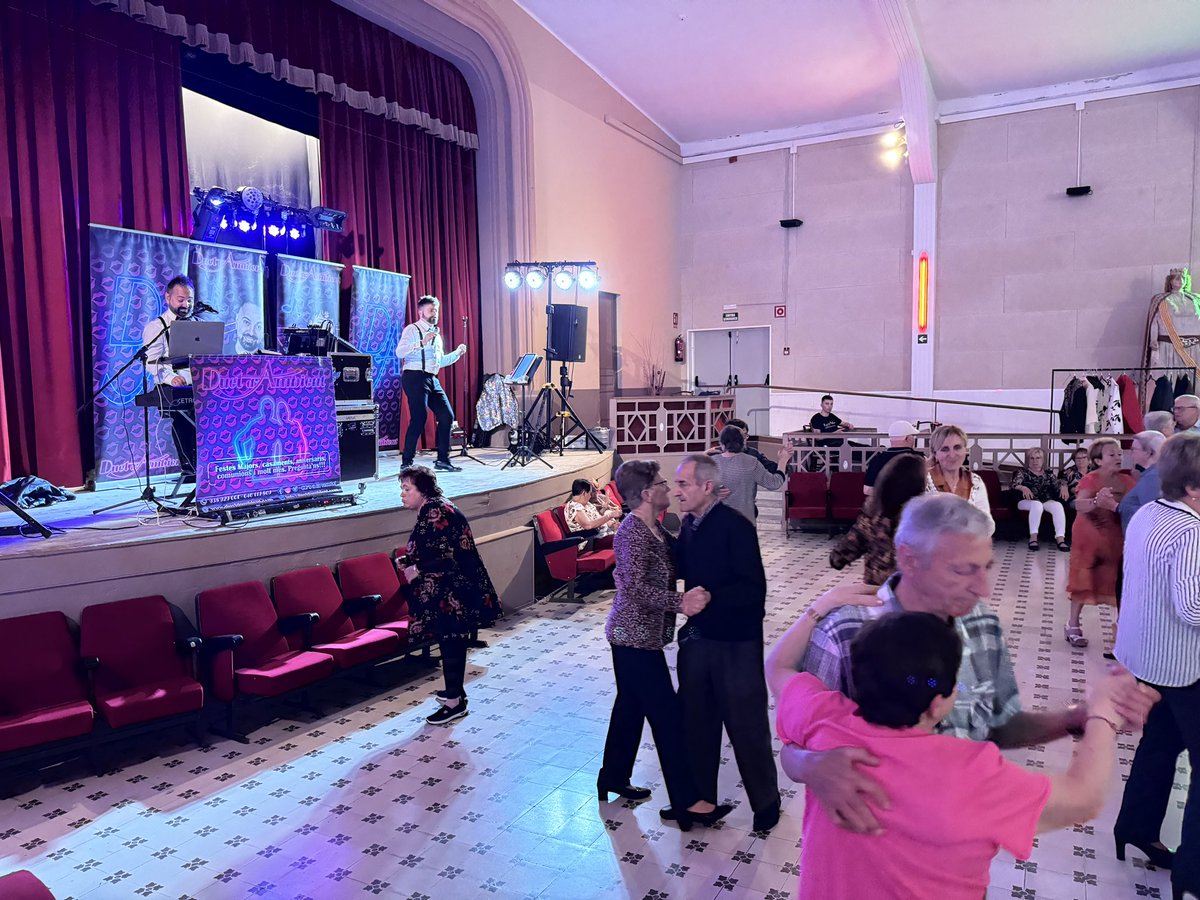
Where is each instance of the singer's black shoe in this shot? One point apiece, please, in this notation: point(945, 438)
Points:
point(446, 466)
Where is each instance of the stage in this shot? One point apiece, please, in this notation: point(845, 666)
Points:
point(135, 551)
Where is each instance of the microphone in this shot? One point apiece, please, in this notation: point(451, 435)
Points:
point(200, 306)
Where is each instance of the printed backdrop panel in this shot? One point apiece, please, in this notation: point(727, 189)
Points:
point(266, 429)
point(378, 310)
point(230, 279)
point(308, 294)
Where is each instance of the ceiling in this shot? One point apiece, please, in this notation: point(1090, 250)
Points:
point(711, 69)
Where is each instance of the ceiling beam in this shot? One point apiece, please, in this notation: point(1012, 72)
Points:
point(916, 90)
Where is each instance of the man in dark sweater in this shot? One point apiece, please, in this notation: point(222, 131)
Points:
point(720, 664)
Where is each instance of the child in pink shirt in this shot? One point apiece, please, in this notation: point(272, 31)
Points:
point(954, 802)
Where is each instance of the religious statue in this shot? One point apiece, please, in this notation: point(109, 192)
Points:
point(1173, 324)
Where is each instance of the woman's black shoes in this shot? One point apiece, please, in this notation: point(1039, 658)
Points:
point(685, 819)
point(447, 714)
point(1158, 856)
point(629, 792)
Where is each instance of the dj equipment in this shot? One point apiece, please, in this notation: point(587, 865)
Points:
point(358, 441)
point(312, 340)
point(188, 337)
point(352, 378)
point(167, 398)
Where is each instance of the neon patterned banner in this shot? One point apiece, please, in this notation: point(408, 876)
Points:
point(230, 279)
point(307, 294)
point(130, 270)
point(266, 430)
point(378, 310)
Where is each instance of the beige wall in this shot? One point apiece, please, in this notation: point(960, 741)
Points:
point(843, 275)
point(1029, 279)
point(602, 195)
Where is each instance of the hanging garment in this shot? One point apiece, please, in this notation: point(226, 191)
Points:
point(1183, 385)
point(1092, 410)
point(1164, 395)
point(1130, 408)
point(1109, 408)
point(1072, 417)
point(496, 405)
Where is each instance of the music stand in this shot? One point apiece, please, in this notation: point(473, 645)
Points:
point(522, 449)
point(29, 520)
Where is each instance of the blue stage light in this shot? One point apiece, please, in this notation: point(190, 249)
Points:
point(294, 233)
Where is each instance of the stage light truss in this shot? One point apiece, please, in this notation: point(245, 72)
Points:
point(249, 209)
point(563, 274)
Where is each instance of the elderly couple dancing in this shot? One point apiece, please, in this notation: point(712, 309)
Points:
point(720, 662)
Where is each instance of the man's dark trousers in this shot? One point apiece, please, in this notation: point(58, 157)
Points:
point(424, 391)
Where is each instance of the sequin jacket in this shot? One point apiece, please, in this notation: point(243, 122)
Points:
point(643, 612)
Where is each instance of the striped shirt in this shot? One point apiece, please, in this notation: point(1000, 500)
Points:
point(1159, 635)
point(987, 686)
point(743, 475)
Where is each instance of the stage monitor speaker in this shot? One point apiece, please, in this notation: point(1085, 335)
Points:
point(358, 444)
point(566, 332)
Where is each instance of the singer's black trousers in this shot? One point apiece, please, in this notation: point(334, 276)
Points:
point(424, 392)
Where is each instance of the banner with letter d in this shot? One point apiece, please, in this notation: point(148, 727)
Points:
point(230, 279)
point(378, 310)
point(308, 293)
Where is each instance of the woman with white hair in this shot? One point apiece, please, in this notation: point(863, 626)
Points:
point(1146, 445)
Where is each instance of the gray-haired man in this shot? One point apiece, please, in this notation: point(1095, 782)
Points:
point(943, 563)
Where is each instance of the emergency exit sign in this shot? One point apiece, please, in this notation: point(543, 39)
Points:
point(729, 316)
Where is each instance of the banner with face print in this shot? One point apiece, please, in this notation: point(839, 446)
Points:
point(129, 274)
point(230, 280)
point(378, 309)
point(307, 293)
point(266, 430)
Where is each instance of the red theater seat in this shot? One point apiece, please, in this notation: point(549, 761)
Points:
point(313, 590)
point(43, 694)
point(845, 495)
point(141, 669)
point(807, 497)
point(23, 885)
point(247, 645)
point(375, 575)
point(1003, 503)
point(560, 550)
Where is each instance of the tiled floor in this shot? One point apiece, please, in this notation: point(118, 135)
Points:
point(369, 801)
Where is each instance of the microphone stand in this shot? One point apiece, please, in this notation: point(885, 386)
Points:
point(147, 495)
point(463, 453)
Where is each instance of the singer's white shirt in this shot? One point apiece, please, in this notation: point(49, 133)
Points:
point(409, 350)
point(161, 373)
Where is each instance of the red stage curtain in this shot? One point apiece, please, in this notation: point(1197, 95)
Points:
point(411, 208)
point(92, 124)
point(293, 39)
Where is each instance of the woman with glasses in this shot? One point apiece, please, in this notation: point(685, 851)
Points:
point(640, 625)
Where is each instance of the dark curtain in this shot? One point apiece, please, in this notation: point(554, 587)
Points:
point(92, 125)
point(324, 37)
point(410, 204)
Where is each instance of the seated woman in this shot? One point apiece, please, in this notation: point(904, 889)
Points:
point(582, 513)
point(1042, 493)
point(1072, 473)
point(949, 473)
point(954, 802)
point(872, 532)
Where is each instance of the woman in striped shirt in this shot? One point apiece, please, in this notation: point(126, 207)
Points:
point(1159, 642)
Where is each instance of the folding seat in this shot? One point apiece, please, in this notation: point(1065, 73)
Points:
point(564, 560)
point(313, 590)
point(845, 495)
point(43, 692)
point(1003, 503)
point(806, 498)
point(375, 576)
point(141, 669)
point(246, 643)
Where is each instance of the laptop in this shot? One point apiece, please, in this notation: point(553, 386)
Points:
point(190, 338)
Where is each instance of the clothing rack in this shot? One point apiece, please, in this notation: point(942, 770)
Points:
point(1138, 373)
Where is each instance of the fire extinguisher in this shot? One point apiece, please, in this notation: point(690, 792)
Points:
point(679, 348)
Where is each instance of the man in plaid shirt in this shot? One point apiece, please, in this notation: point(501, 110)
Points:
point(943, 562)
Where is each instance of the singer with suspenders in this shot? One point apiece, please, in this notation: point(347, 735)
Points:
point(181, 304)
point(421, 356)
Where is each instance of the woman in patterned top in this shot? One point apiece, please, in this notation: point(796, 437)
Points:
point(872, 532)
point(640, 624)
point(451, 595)
point(1042, 493)
point(582, 513)
point(1072, 473)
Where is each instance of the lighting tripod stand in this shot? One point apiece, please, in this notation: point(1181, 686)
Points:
point(542, 415)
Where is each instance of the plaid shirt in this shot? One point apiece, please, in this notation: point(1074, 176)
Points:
point(987, 685)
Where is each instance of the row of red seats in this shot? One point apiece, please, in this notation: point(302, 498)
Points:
point(132, 665)
point(810, 498)
point(569, 555)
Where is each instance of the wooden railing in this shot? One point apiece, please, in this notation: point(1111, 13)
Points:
point(677, 423)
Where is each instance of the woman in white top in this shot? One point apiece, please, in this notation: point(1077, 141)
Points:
point(582, 514)
point(949, 474)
